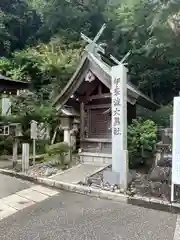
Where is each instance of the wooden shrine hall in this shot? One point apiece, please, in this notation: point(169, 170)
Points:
point(10, 86)
point(87, 96)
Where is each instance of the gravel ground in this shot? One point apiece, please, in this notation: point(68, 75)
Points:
point(141, 185)
point(41, 169)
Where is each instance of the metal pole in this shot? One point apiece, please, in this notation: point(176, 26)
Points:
point(34, 152)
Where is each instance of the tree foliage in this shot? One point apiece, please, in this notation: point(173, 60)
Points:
point(19, 25)
point(40, 41)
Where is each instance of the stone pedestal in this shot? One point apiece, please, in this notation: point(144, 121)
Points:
point(74, 133)
point(114, 178)
point(73, 142)
point(65, 124)
point(67, 136)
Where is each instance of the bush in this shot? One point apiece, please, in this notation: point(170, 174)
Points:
point(60, 150)
point(142, 136)
point(40, 146)
point(6, 145)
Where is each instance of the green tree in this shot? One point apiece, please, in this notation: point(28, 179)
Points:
point(154, 62)
point(18, 25)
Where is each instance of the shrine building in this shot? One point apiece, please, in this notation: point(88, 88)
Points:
point(87, 98)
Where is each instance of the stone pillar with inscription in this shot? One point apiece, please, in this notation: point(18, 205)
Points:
point(119, 124)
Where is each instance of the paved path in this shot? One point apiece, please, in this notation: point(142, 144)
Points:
point(16, 195)
point(77, 173)
point(77, 217)
point(10, 185)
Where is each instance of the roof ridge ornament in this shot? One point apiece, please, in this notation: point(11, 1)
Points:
point(93, 47)
point(92, 44)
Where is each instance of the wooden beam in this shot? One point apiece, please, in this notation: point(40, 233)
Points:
point(100, 88)
point(101, 140)
point(98, 106)
point(100, 96)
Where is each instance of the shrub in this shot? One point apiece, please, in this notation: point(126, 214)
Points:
point(59, 150)
point(142, 136)
point(40, 146)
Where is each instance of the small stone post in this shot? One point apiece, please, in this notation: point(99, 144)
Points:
point(15, 152)
point(25, 157)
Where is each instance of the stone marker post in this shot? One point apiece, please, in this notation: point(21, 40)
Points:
point(34, 137)
point(25, 157)
point(15, 152)
point(119, 124)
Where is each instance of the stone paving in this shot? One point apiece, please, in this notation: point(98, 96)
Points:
point(77, 174)
point(16, 195)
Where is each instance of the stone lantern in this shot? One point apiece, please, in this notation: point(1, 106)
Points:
point(75, 126)
point(66, 126)
point(74, 132)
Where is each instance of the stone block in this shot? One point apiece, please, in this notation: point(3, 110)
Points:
point(160, 174)
point(111, 177)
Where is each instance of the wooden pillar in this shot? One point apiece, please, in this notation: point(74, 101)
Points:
point(82, 125)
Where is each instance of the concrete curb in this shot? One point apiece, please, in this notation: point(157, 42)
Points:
point(151, 203)
point(85, 190)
